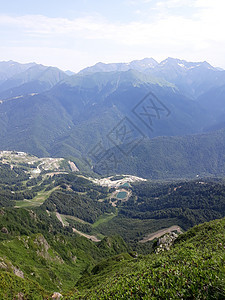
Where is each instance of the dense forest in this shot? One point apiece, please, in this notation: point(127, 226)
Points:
point(193, 202)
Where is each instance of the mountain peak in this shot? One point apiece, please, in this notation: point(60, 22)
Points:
point(139, 65)
point(183, 64)
point(145, 65)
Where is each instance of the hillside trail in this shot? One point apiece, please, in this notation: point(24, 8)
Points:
point(93, 238)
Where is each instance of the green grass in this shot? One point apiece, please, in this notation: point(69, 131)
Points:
point(74, 218)
point(104, 219)
point(37, 200)
point(48, 254)
point(47, 268)
point(75, 221)
point(11, 286)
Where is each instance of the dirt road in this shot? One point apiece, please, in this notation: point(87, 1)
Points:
point(90, 237)
point(159, 233)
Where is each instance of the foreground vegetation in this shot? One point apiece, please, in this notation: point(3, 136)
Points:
point(192, 269)
point(37, 248)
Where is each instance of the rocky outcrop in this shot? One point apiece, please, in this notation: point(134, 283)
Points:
point(18, 272)
point(43, 249)
point(56, 296)
point(8, 266)
point(20, 296)
point(4, 230)
point(165, 242)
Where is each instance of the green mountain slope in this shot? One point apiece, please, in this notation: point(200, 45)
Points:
point(14, 287)
point(79, 112)
point(171, 157)
point(35, 247)
point(192, 269)
point(47, 76)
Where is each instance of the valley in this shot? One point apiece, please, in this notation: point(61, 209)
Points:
point(92, 205)
point(74, 224)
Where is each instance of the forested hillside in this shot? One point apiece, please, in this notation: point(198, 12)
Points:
point(165, 107)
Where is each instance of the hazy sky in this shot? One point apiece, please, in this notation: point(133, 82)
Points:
point(72, 34)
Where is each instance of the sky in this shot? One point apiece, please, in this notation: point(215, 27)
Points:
point(74, 34)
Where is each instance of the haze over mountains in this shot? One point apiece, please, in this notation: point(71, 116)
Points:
point(46, 112)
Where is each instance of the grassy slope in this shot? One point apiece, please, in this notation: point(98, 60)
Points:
point(104, 219)
point(37, 200)
point(14, 287)
point(192, 269)
point(46, 253)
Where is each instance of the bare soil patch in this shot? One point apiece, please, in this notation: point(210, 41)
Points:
point(159, 233)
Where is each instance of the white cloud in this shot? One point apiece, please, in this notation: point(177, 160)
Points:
point(175, 3)
point(197, 36)
point(206, 27)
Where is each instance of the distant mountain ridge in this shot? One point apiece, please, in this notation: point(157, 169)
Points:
point(146, 65)
point(187, 76)
point(139, 65)
point(27, 78)
point(11, 68)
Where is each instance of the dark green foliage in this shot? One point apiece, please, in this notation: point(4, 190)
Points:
point(83, 227)
point(80, 200)
point(172, 157)
point(78, 205)
point(10, 175)
point(12, 187)
point(155, 205)
point(25, 222)
point(6, 198)
point(191, 202)
point(34, 181)
point(133, 230)
point(54, 257)
point(117, 177)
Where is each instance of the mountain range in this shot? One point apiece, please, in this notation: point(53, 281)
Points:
point(168, 114)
